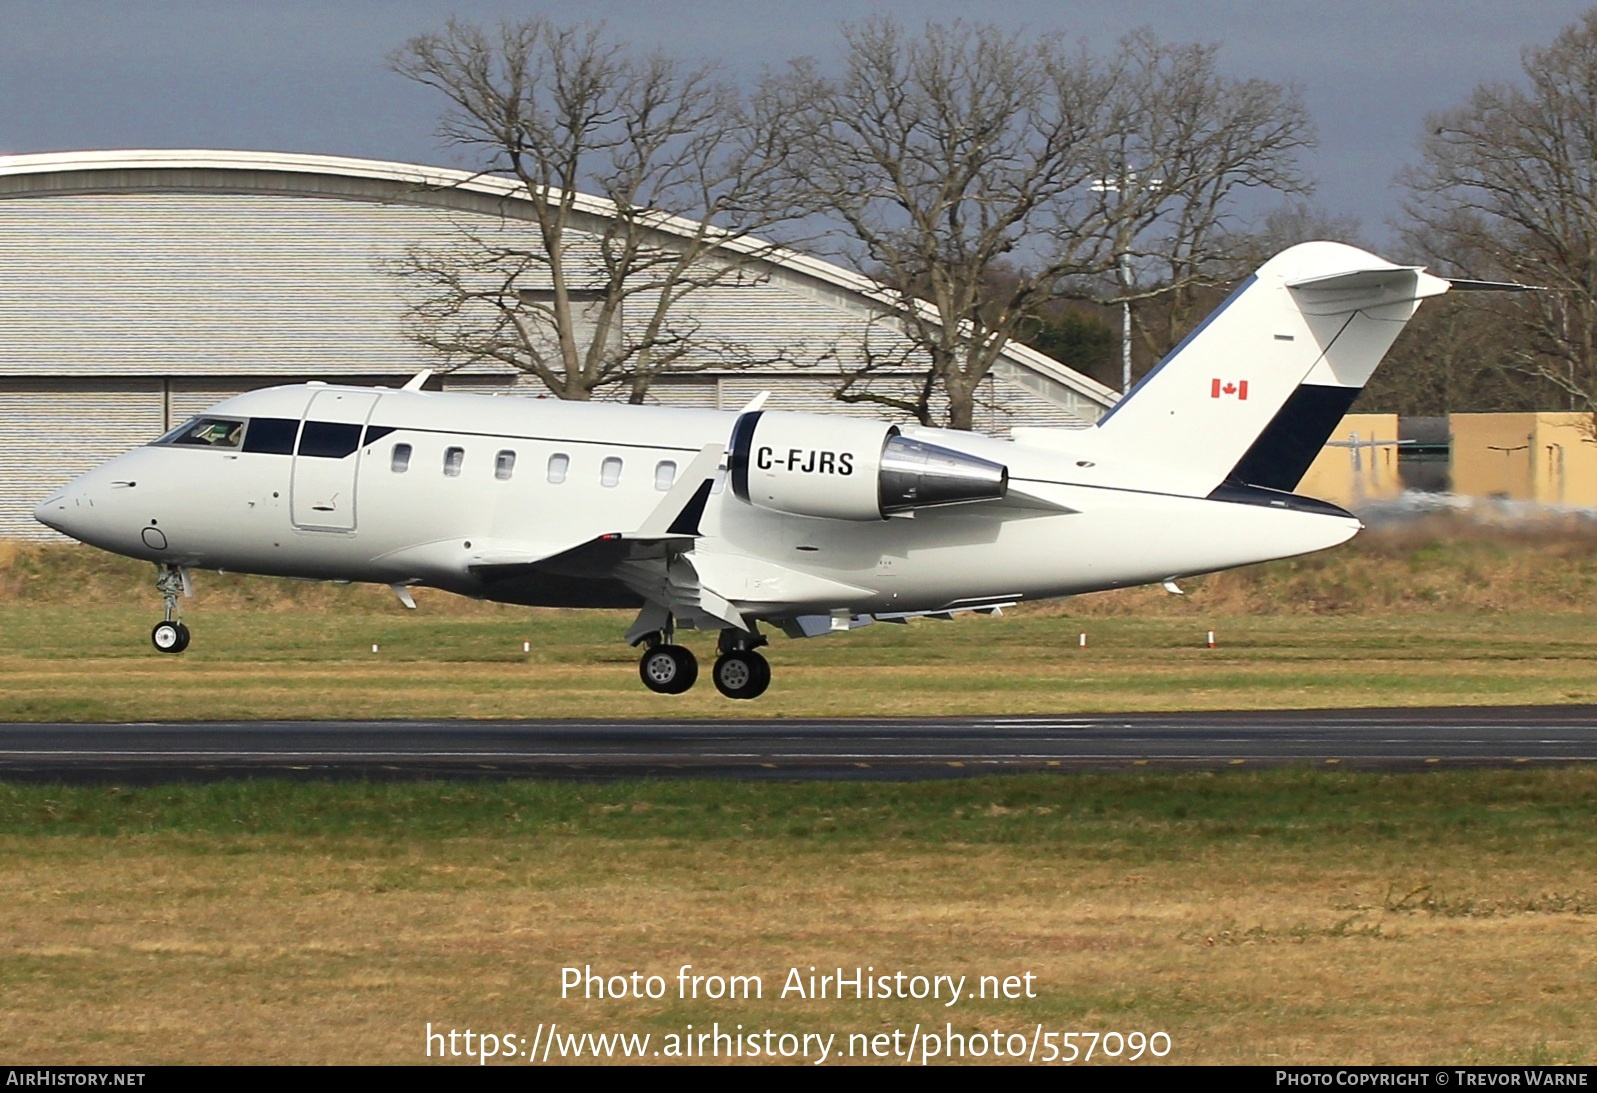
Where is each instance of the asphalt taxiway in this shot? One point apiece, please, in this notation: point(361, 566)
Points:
point(856, 748)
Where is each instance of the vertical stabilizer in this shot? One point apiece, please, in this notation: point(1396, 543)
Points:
point(1252, 394)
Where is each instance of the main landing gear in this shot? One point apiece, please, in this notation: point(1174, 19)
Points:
point(670, 669)
point(739, 671)
point(170, 635)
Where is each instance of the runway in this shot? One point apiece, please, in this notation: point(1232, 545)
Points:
point(887, 748)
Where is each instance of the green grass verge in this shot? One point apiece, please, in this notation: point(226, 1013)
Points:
point(1157, 814)
point(82, 664)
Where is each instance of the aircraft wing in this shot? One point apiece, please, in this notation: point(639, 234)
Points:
point(616, 568)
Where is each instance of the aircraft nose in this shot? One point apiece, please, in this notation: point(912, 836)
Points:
point(52, 512)
point(71, 509)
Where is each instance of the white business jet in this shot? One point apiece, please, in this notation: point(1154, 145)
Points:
point(809, 523)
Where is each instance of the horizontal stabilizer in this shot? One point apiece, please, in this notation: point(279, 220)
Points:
point(1361, 290)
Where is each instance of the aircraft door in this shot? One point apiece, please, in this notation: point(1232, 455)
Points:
point(327, 459)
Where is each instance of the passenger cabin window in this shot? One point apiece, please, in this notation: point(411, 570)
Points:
point(504, 465)
point(559, 464)
point(207, 432)
point(400, 463)
point(453, 458)
point(610, 471)
point(665, 475)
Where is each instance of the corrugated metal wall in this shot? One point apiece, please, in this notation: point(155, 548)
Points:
point(172, 284)
point(54, 430)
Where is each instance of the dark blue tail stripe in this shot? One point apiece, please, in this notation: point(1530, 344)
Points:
point(1282, 454)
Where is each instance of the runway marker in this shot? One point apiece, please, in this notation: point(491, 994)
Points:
point(374, 647)
point(1084, 639)
point(526, 647)
point(1211, 639)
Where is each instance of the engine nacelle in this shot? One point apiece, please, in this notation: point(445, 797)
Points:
point(850, 469)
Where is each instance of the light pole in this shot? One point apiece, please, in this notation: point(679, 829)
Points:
point(1118, 187)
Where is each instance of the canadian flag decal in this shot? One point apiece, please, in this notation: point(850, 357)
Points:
point(1228, 389)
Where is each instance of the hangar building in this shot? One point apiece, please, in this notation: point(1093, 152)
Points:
point(139, 287)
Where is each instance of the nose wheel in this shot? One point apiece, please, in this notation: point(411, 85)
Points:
point(170, 637)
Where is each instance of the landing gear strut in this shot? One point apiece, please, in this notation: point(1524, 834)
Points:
point(665, 667)
point(739, 671)
point(170, 635)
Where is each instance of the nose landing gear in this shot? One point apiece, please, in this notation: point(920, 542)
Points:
point(170, 635)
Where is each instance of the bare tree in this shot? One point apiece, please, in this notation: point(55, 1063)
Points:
point(963, 150)
point(1506, 189)
point(941, 155)
point(1449, 359)
point(1201, 140)
point(589, 295)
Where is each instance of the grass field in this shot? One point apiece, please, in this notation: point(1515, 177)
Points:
point(1285, 916)
point(1416, 616)
point(1257, 918)
point(73, 663)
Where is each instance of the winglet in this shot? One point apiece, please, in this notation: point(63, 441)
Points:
point(679, 511)
point(415, 382)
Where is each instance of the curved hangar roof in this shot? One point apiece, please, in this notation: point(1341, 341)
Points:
point(214, 264)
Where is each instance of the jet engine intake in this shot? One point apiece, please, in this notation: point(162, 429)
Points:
point(849, 469)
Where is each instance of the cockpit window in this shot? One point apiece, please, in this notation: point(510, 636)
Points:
point(272, 435)
point(207, 432)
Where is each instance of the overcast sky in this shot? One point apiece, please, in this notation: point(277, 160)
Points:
point(310, 75)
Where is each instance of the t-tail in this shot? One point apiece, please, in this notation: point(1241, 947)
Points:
point(1251, 396)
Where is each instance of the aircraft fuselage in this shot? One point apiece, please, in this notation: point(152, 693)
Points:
point(402, 487)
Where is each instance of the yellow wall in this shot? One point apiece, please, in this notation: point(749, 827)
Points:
point(1548, 458)
point(1350, 468)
